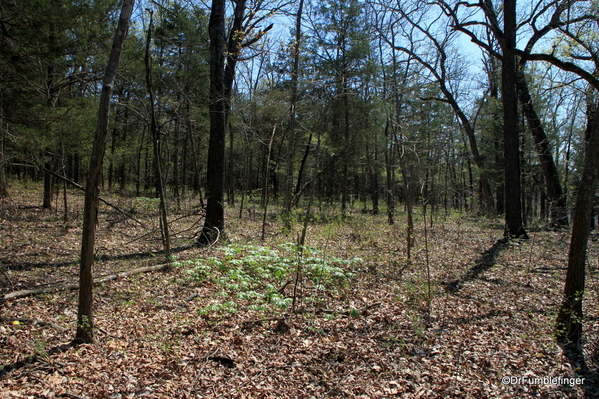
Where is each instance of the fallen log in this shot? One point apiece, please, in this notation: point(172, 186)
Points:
point(110, 277)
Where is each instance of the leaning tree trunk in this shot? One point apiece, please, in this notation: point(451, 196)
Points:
point(569, 319)
point(558, 211)
point(85, 325)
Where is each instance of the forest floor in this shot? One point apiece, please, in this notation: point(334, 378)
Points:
point(468, 316)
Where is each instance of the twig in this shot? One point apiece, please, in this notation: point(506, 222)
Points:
point(192, 297)
point(80, 187)
point(282, 289)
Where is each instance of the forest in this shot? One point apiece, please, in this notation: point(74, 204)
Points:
point(299, 199)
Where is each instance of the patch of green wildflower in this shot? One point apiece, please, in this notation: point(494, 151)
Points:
point(250, 276)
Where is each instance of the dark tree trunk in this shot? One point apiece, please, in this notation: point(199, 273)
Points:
point(374, 192)
point(138, 169)
point(389, 161)
point(288, 203)
point(300, 172)
point(3, 181)
point(166, 241)
point(85, 324)
point(233, 50)
point(347, 149)
point(558, 212)
point(513, 195)
point(48, 185)
point(214, 223)
point(569, 319)
point(197, 179)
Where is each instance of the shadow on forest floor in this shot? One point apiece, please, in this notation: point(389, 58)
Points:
point(6, 368)
point(581, 369)
point(11, 265)
point(482, 264)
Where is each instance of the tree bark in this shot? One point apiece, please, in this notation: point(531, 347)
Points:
point(513, 202)
point(85, 325)
point(48, 185)
point(3, 180)
point(214, 223)
point(569, 319)
point(3, 162)
point(288, 203)
point(197, 179)
point(166, 241)
point(233, 51)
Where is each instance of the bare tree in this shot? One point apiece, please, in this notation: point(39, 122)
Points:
point(430, 41)
point(292, 116)
point(577, 30)
point(570, 20)
point(85, 324)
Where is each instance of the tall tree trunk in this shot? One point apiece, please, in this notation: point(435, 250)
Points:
point(166, 241)
point(558, 211)
point(374, 192)
point(300, 173)
point(492, 67)
point(138, 169)
point(48, 185)
point(389, 164)
point(569, 319)
point(233, 50)
point(197, 179)
point(511, 146)
point(347, 149)
point(3, 181)
point(85, 324)
point(287, 201)
point(214, 224)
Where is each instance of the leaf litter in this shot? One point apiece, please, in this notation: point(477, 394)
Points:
point(220, 322)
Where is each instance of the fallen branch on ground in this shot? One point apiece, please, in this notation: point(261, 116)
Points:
point(110, 277)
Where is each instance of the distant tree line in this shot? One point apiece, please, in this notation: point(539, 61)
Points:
point(391, 102)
